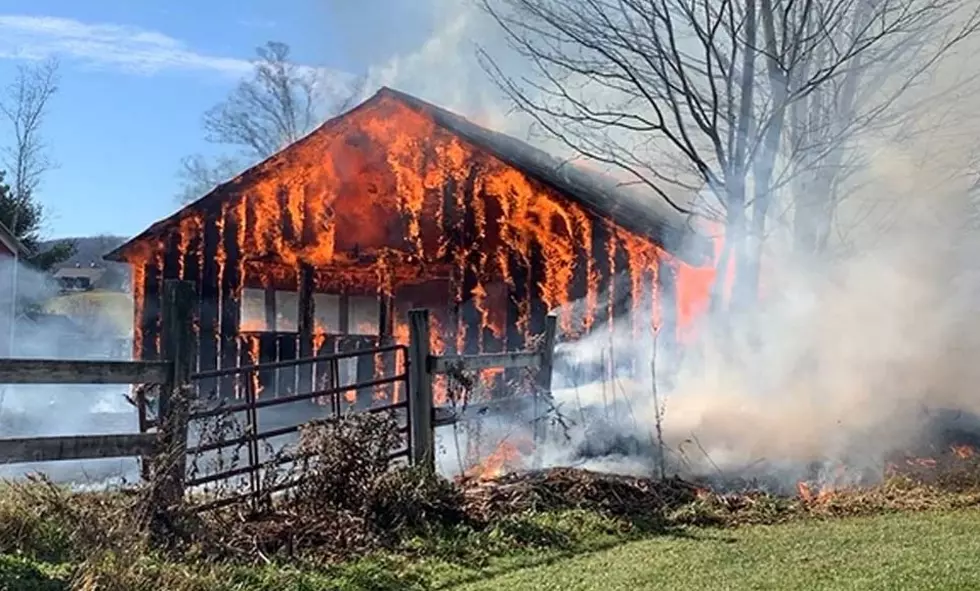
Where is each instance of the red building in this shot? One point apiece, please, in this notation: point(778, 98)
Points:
point(10, 250)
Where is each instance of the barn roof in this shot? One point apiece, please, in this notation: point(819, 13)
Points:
point(632, 209)
point(10, 241)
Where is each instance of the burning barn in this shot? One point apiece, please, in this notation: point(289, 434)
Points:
point(398, 204)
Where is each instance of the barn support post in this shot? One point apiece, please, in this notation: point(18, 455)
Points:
point(178, 344)
point(230, 289)
point(387, 361)
point(517, 307)
point(420, 391)
point(306, 321)
point(542, 392)
point(209, 303)
point(150, 314)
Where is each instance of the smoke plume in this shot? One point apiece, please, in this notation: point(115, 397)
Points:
point(56, 410)
point(852, 357)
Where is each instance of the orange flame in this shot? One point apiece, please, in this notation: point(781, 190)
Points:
point(505, 457)
point(807, 495)
point(377, 202)
point(963, 451)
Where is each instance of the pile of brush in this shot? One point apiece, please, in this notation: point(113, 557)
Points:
point(348, 500)
point(558, 489)
point(957, 468)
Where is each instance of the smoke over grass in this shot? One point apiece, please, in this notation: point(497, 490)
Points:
point(845, 363)
point(56, 410)
point(865, 350)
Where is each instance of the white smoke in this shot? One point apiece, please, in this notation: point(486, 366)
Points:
point(851, 351)
point(62, 410)
point(852, 359)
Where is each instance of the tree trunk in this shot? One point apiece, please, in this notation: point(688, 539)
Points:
point(736, 247)
point(764, 164)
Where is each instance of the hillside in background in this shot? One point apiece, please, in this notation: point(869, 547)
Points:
point(90, 249)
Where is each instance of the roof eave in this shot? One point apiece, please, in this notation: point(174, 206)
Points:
point(11, 242)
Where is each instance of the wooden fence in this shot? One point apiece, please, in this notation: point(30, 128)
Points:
point(174, 376)
point(423, 367)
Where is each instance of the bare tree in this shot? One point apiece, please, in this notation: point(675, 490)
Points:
point(874, 97)
point(25, 108)
point(199, 176)
point(280, 103)
point(633, 83)
point(26, 159)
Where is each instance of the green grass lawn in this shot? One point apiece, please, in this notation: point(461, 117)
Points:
point(932, 550)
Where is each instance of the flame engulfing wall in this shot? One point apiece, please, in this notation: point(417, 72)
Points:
point(385, 201)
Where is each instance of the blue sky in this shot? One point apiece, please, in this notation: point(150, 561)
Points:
point(136, 77)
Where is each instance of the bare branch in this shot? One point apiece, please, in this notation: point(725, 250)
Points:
point(279, 104)
point(24, 107)
point(760, 96)
point(282, 102)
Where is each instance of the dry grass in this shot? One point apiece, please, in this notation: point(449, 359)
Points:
point(354, 523)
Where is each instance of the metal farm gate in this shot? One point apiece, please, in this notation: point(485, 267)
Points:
point(239, 450)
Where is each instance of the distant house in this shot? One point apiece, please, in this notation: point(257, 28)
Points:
point(81, 278)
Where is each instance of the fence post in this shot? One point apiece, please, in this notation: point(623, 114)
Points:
point(178, 347)
point(420, 391)
point(543, 381)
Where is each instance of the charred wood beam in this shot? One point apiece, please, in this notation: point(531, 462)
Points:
point(347, 369)
point(249, 354)
point(151, 313)
point(287, 344)
point(172, 256)
point(644, 316)
point(210, 297)
point(386, 315)
point(289, 234)
point(191, 270)
point(536, 278)
point(579, 288)
point(494, 335)
point(313, 215)
point(268, 353)
point(517, 302)
point(388, 361)
point(599, 251)
point(57, 371)
point(469, 274)
point(192, 260)
point(450, 218)
point(230, 299)
point(365, 370)
point(306, 325)
point(325, 376)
